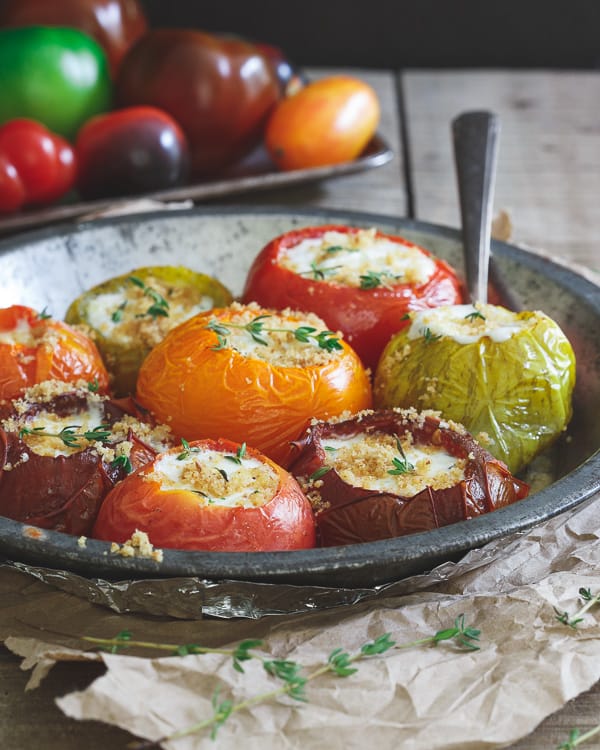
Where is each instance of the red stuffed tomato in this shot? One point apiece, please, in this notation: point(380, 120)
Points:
point(34, 348)
point(390, 473)
point(62, 448)
point(251, 375)
point(360, 282)
point(210, 495)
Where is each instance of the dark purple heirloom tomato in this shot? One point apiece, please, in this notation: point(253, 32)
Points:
point(129, 151)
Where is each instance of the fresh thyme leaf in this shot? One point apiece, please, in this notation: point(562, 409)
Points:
point(406, 316)
point(221, 710)
point(137, 282)
point(69, 435)
point(332, 249)
point(120, 641)
point(401, 465)
point(328, 340)
point(93, 386)
point(320, 272)
point(475, 316)
point(239, 455)
point(329, 448)
point(44, 314)
point(122, 462)
point(157, 311)
point(160, 306)
point(289, 673)
point(117, 315)
point(255, 328)
point(304, 333)
point(339, 662)
point(242, 653)
point(186, 450)
point(430, 337)
point(378, 646)
point(464, 636)
point(320, 472)
point(573, 621)
point(223, 473)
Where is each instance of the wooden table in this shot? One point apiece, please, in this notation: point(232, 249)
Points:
point(549, 183)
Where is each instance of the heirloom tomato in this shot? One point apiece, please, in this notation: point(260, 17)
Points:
point(34, 348)
point(507, 376)
point(36, 166)
point(57, 76)
point(130, 314)
point(251, 375)
point(220, 90)
point(326, 122)
point(212, 495)
point(63, 447)
point(390, 473)
point(360, 282)
point(114, 24)
point(129, 151)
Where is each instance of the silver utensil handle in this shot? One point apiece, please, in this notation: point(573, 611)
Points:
point(475, 136)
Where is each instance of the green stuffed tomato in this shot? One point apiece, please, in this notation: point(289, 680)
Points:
point(128, 315)
point(57, 76)
point(507, 377)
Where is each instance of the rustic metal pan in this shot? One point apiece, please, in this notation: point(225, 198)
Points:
point(49, 268)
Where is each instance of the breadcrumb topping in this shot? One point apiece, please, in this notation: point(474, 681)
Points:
point(138, 545)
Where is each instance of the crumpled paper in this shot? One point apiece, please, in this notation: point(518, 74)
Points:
point(440, 698)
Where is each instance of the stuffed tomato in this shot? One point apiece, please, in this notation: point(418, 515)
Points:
point(360, 282)
point(211, 495)
point(63, 447)
point(130, 314)
point(251, 375)
point(390, 473)
point(508, 377)
point(34, 347)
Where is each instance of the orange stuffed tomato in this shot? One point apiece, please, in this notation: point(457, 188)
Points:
point(251, 375)
point(360, 282)
point(34, 348)
point(211, 495)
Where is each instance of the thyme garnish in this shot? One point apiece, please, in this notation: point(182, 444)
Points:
point(256, 328)
point(576, 738)
point(69, 435)
point(429, 336)
point(159, 306)
point(117, 315)
point(401, 465)
point(320, 272)
point(474, 316)
point(239, 455)
point(373, 279)
point(93, 385)
point(122, 462)
point(320, 472)
point(339, 248)
point(573, 620)
point(294, 679)
point(44, 314)
point(186, 450)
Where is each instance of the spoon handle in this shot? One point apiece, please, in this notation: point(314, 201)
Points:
point(475, 136)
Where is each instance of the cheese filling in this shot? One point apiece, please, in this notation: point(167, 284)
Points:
point(467, 324)
point(21, 334)
point(272, 337)
point(358, 259)
point(131, 316)
point(217, 478)
point(374, 462)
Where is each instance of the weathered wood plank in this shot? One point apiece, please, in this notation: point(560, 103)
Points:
point(549, 158)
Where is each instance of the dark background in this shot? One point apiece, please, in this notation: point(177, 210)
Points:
point(404, 33)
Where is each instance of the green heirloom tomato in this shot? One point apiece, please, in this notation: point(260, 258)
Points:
point(58, 76)
point(128, 315)
point(507, 377)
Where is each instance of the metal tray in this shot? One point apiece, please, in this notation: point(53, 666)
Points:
point(255, 173)
point(50, 267)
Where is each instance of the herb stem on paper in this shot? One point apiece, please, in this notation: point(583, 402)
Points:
point(292, 675)
point(573, 620)
point(576, 738)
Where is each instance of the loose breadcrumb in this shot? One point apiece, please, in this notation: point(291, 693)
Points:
point(138, 545)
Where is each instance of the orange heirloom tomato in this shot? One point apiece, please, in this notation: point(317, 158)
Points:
point(34, 348)
point(327, 122)
point(177, 516)
point(201, 387)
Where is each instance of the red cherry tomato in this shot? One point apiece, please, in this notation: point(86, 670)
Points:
point(326, 122)
point(34, 348)
point(41, 161)
point(177, 517)
point(133, 150)
point(369, 316)
point(220, 90)
point(114, 24)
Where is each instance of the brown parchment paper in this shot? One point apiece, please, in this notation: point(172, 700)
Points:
point(439, 698)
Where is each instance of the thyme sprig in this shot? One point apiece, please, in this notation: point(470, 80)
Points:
point(293, 676)
point(401, 465)
point(474, 316)
point(256, 328)
point(576, 738)
point(320, 272)
point(69, 435)
point(373, 279)
point(573, 620)
point(159, 306)
point(429, 336)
